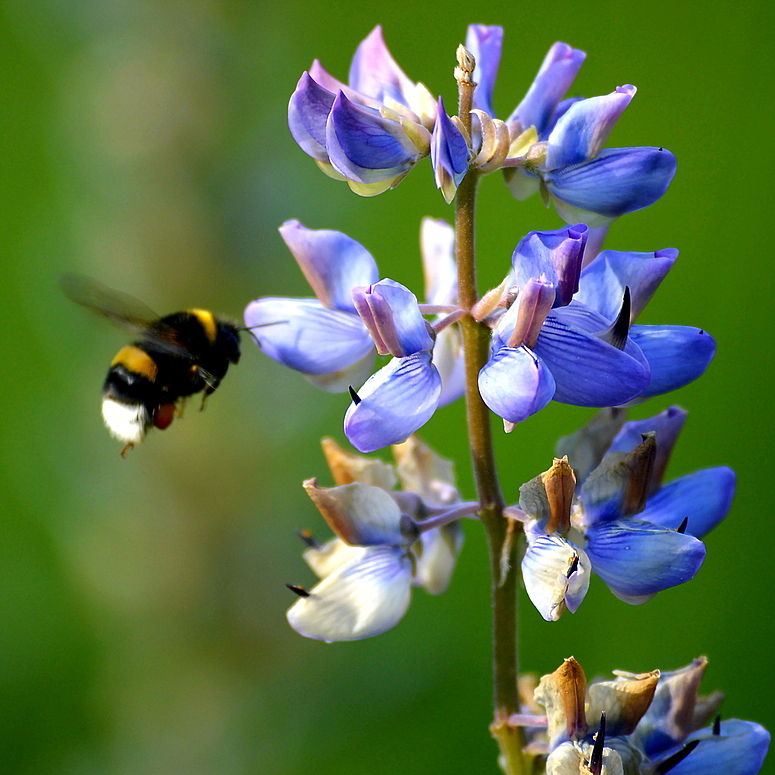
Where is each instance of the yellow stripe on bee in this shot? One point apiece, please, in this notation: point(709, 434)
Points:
point(137, 361)
point(207, 320)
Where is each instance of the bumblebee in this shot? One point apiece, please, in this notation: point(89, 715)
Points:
point(173, 357)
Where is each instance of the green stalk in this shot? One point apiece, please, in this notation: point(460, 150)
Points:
point(476, 338)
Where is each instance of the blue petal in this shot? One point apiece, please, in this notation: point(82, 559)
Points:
point(376, 74)
point(485, 42)
point(515, 384)
point(704, 497)
point(637, 558)
point(556, 255)
point(365, 147)
point(395, 402)
point(307, 116)
point(603, 281)
point(739, 749)
point(332, 262)
point(581, 132)
point(587, 370)
point(677, 355)
point(561, 110)
point(617, 181)
point(667, 425)
point(304, 335)
point(554, 78)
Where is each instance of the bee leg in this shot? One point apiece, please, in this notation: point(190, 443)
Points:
point(209, 390)
point(126, 449)
point(180, 407)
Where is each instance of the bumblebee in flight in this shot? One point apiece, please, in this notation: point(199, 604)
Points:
point(173, 357)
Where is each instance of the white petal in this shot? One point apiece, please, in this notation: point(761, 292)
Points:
point(550, 586)
point(361, 599)
point(339, 381)
point(326, 559)
point(440, 548)
point(437, 245)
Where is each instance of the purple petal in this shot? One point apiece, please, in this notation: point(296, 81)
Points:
point(307, 116)
point(304, 335)
point(617, 181)
point(705, 497)
point(365, 147)
point(637, 558)
point(360, 599)
point(739, 749)
point(587, 370)
point(395, 402)
point(322, 77)
point(437, 245)
point(332, 262)
point(485, 42)
point(534, 303)
point(667, 425)
point(557, 72)
point(449, 154)
point(391, 314)
point(515, 384)
point(603, 281)
point(582, 131)
point(677, 355)
point(376, 74)
point(555, 254)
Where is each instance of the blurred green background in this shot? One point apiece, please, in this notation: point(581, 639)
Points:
point(142, 623)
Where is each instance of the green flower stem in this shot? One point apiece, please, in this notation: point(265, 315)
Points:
point(476, 338)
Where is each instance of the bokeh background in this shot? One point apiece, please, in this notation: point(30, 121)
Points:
point(142, 603)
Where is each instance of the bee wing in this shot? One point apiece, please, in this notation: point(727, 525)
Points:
point(124, 311)
point(121, 309)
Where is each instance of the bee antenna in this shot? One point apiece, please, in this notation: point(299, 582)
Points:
point(261, 325)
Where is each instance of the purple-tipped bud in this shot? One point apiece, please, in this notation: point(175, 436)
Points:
point(555, 255)
point(567, 262)
point(375, 313)
point(449, 154)
point(535, 302)
point(390, 312)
